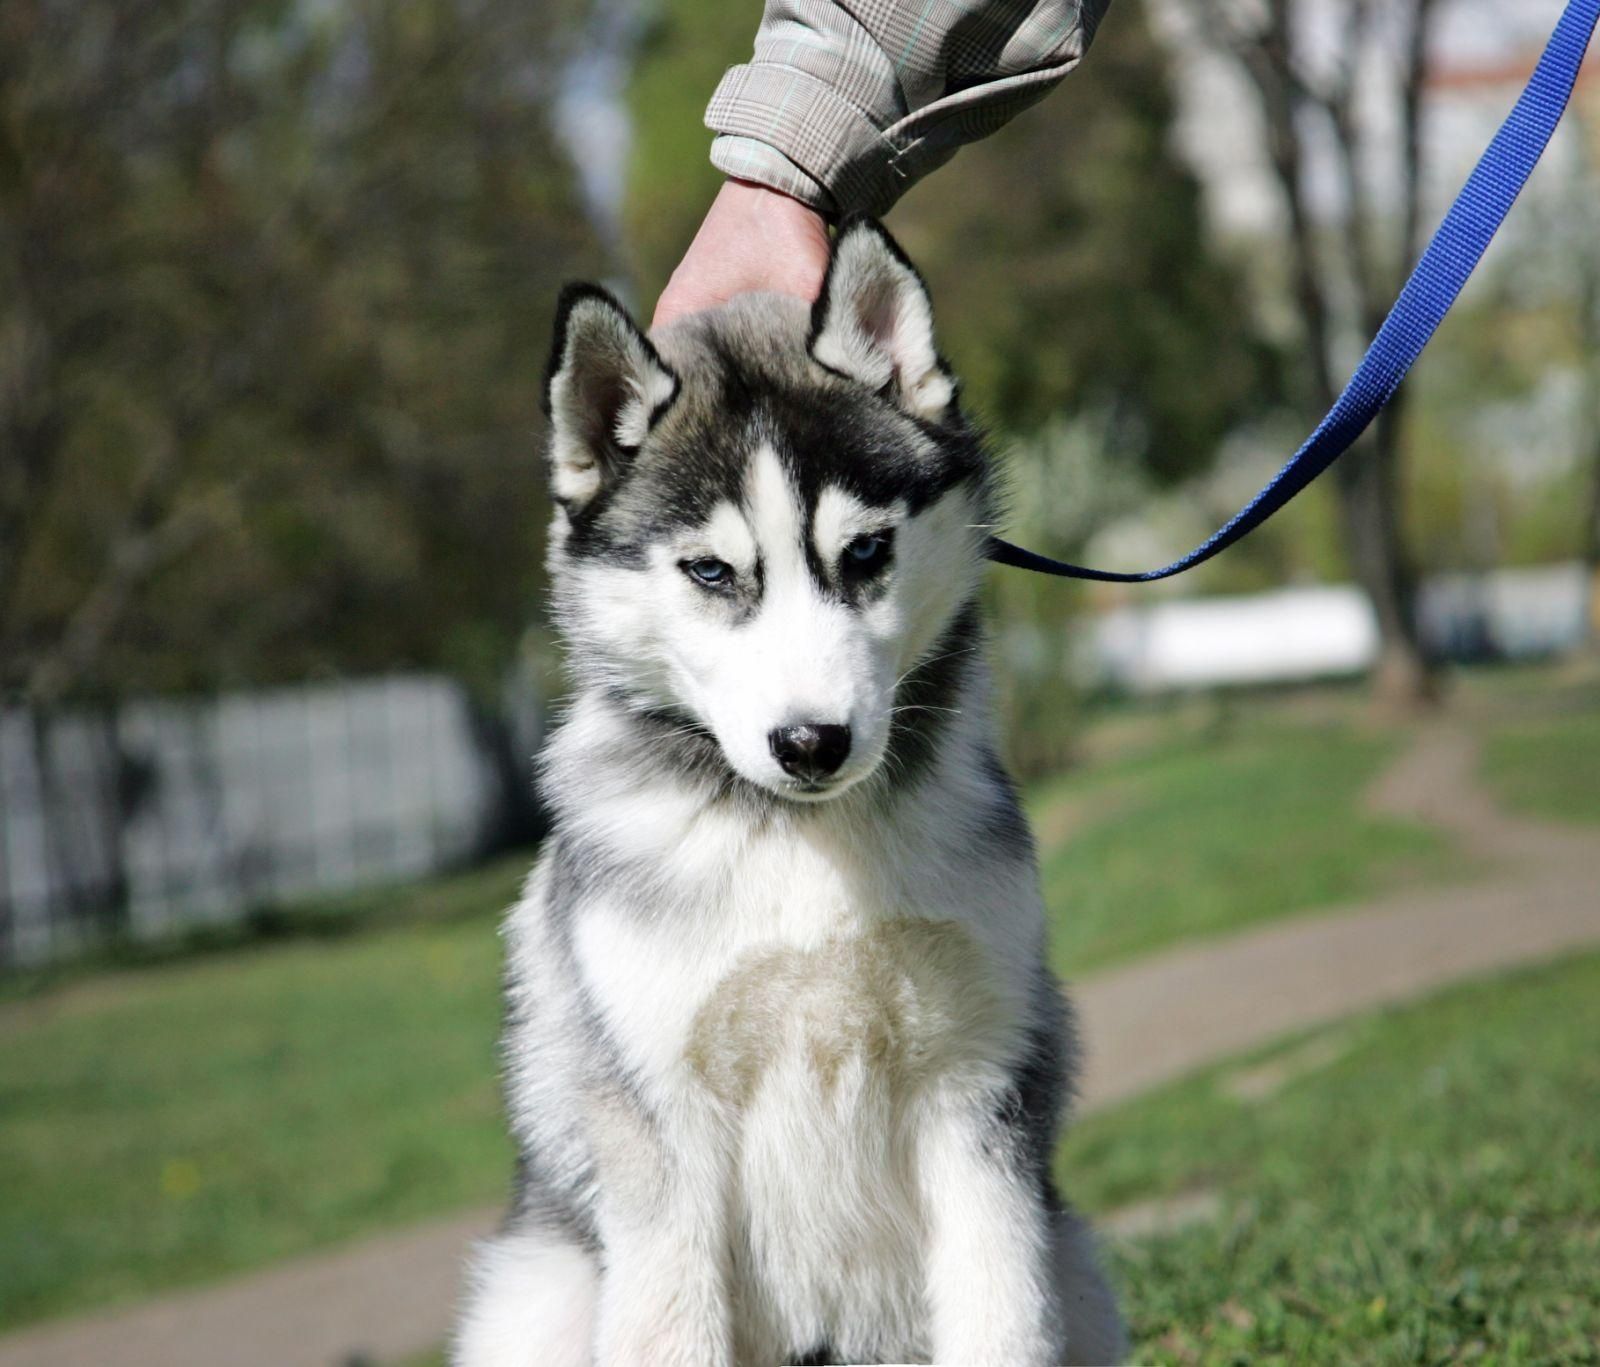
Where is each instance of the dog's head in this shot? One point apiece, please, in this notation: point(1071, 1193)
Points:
point(770, 520)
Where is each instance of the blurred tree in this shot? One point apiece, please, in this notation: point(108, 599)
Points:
point(1304, 96)
point(1066, 254)
point(683, 48)
point(1586, 193)
point(275, 284)
point(1069, 260)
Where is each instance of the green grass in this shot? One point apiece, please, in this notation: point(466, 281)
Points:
point(1548, 767)
point(175, 1123)
point(1209, 833)
point(1423, 1187)
point(195, 1116)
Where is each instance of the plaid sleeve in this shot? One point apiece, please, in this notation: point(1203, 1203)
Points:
point(847, 103)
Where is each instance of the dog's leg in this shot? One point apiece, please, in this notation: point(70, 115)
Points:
point(1088, 1307)
point(664, 1296)
point(990, 1288)
point(662, 1302)
point(530, 1303)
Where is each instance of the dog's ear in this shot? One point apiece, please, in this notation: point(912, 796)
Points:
point(604, 389)
point(874, 322)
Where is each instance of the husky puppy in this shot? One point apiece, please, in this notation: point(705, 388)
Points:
point(784, 1062)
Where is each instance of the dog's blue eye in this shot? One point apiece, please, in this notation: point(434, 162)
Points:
point(714, 573)
point(867, 552)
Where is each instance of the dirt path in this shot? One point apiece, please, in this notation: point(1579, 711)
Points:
point(1168, 1014)
point(1144, 1025)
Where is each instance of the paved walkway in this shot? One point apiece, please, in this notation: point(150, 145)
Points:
point(1145, 1024)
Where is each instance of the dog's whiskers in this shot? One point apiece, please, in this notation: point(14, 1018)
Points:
point(933, 660)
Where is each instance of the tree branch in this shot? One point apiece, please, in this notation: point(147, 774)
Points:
point(131, 565)
point(1264, 57)
point(1412, 87)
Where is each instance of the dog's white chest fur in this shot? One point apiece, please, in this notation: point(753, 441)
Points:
point(822, 1057)
point(805, 1005)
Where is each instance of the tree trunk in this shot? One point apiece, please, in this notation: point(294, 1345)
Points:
point(1371, 511)
point(1371, 490)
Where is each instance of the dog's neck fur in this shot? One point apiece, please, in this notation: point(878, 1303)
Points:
point(633, 792)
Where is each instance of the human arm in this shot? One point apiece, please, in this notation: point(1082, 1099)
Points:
point(753, 238)
point(843, 107)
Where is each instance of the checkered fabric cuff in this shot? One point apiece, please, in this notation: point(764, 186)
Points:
point(784, 128)
point(747, 159)
point(846, 106)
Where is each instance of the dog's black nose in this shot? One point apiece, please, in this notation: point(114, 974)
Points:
point(810, 752)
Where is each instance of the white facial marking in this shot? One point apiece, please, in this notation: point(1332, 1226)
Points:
point(775, 515)
point(752, 658)
point(841, 517)
point(938, 562)
point(728, 537)
point(773, 647)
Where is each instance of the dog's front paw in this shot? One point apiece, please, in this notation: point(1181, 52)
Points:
point(663, 1334)
point(1013, 1350)
point(647, 1346)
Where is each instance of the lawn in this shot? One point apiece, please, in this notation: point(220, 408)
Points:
point(1548, 766)
point(1204, 833)
point(178, 1122)
point(193, 1117)
point(1417, 1186)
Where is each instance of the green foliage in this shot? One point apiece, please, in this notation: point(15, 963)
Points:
point(1069, 263)
point(1498, 473)
point(275, 285)
point(685, 47)
point(1421, 1186)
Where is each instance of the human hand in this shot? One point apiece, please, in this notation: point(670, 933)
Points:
point(752, 238)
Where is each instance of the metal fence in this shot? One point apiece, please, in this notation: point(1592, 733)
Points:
point(159, 815)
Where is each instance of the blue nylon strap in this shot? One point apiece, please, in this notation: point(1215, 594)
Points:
point(1450, 259)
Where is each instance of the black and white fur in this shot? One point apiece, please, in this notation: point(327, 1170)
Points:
point(784, 1062)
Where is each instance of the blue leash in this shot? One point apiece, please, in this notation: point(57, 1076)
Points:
point(1451, 258)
